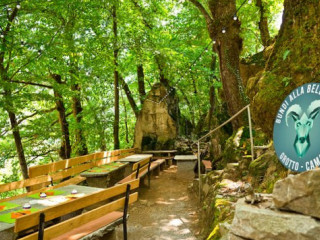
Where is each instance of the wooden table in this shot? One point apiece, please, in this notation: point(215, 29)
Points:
point(6, 229)
point(107, 175)
point(135, 158)
point(168, 154)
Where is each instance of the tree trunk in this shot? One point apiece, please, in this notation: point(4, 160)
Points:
point(16, 132)
point(128, 93)
point(142, 91)
point(8, 95)
point(18, 142)
point(80, 142)
point(228, 47)
point(263, 25)
point(212, 106)
point(292, 63)
point(125, 118)
point(116, 81)
point(65, 148)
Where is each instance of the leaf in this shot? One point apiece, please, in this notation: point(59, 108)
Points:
point(286, 53)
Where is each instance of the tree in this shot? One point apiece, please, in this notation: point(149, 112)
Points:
point(65, 149)
point(225, 32)
point(291, 63)
point(8, 92)
point(116, 141)
point(263, 24)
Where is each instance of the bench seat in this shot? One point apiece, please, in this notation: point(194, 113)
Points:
point(208, 165)
point(90, 228)
point(142, 173)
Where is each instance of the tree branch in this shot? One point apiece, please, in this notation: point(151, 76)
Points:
point(32, 83)
point(55, 122)
point(35, 113)
point(204, 12)
point(128, 93)
point(5, 32)
point(263, 25)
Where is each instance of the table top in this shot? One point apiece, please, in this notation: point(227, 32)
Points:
point(38, 203)
point(104, 169)
point(160, 151)
point(135, 158)
point(185, 157)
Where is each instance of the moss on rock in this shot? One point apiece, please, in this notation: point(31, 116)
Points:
point(293, 61)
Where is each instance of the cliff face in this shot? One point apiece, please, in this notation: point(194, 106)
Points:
point(157, 124)
point(294, 60)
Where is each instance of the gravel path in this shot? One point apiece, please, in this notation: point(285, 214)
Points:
point(166, 211)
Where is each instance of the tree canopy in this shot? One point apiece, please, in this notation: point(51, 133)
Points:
point(58, 61)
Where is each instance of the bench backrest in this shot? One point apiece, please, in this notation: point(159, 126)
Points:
point(141, 164)
point(33, 219)
point(69, 167)
point(26, 183)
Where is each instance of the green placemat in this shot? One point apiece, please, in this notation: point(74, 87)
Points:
point(56, 192)
point(7, 205)
point(7, 216)
point(100, 169)
point(105, 168)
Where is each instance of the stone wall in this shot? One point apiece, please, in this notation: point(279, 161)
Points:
point(293, 212)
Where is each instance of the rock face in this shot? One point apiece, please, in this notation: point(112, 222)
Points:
point(299, 193)
point(266, 170)
point(291, 63)
point(257, 223)
point(156, 126)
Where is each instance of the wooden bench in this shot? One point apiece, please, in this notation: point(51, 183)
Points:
point(142, 169)
point(24, 184)
point(62, 170)
point(89, 223)
point(208, 165)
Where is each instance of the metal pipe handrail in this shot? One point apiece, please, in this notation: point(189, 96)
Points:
point(209, 133)
point(229, 120)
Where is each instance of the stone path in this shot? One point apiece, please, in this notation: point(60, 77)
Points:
point(166, 211)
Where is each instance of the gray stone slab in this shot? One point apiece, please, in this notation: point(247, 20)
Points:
point(185, 157)
point(135, 158)
point(299, 193)
point(255, 222)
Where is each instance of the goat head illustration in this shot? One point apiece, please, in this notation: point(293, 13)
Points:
point(303, 124)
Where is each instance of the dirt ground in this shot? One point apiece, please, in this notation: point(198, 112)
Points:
point(166, 211)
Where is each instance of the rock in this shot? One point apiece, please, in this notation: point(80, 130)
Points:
point(205, 189)
point(224, 228)
point(255, 222)
point(299, 193)
point(280, 76)
point(266, 170)
point(234, 237)
point(157, 124)
point(232, 172)
point(143, 202)
point(231, 185)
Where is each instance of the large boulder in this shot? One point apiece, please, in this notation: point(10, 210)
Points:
point(256, 222)
point(157, 124)
point(299, 193)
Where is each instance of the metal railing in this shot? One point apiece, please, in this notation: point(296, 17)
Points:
point(209, 133)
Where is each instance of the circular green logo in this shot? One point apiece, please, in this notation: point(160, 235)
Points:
point(296, 131)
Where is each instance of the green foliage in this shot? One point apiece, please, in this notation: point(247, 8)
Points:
point(75, 40)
